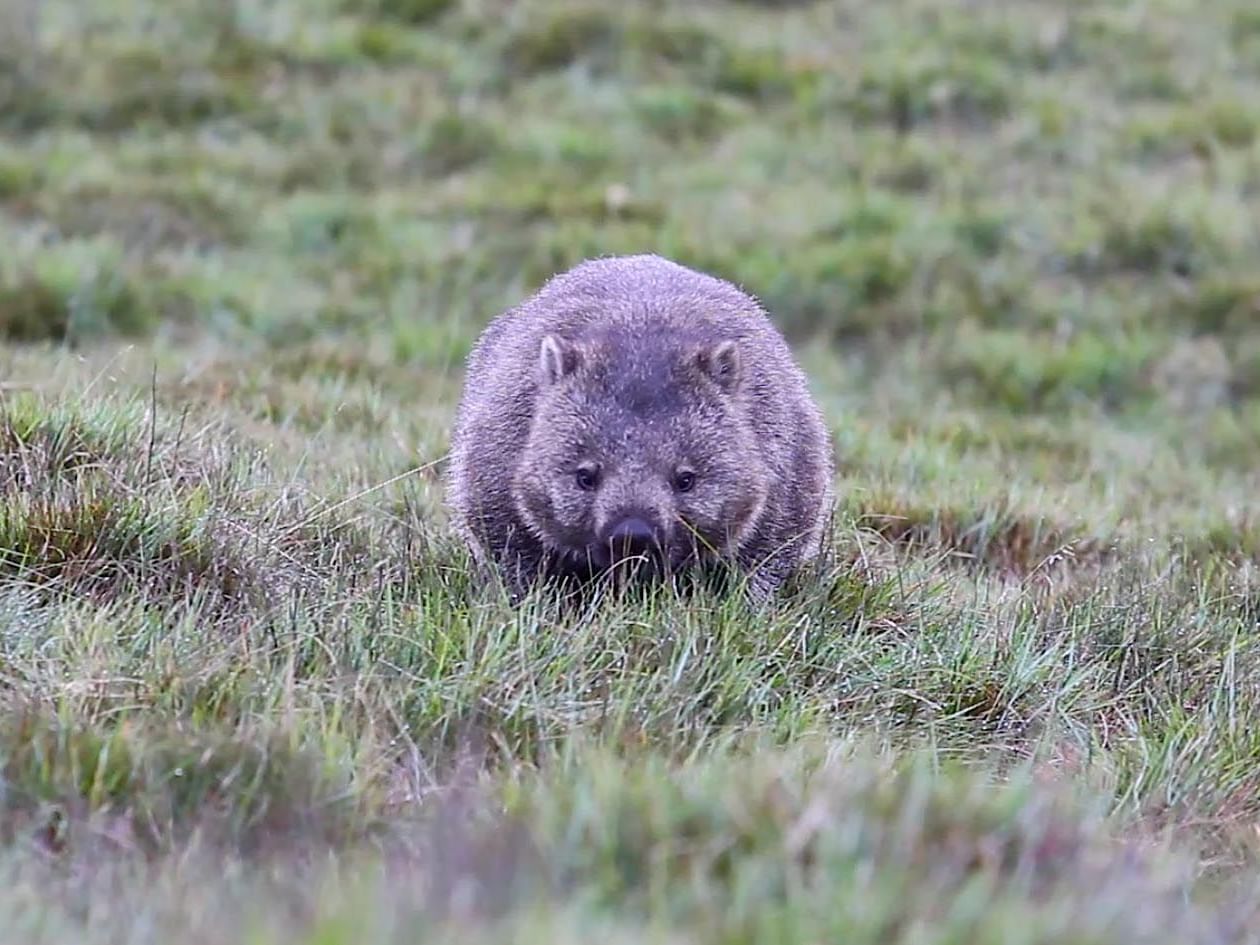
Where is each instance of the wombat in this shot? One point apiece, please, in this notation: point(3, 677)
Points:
point(637, 412)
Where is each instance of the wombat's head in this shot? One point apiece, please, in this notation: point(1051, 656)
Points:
point(639, 449)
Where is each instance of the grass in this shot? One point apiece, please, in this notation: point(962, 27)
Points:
point(252, 692)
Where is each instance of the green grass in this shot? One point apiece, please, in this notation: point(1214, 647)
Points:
point(250, 689)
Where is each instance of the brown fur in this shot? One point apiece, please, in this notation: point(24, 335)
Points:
point(634, 390)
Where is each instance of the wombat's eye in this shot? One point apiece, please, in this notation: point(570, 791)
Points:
point(587, 477)
point(684, 479)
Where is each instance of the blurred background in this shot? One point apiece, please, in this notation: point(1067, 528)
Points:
point(1027, 229)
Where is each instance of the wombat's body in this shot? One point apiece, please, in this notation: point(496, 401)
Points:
point(636, 409)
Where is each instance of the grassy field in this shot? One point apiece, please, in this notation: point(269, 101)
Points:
point(250, 691)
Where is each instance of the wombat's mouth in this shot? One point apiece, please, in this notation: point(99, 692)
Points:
point(608, 556)
point(655, 563)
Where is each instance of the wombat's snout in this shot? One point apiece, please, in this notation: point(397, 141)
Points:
point(632, 536)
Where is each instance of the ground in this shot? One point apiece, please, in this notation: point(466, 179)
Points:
point(251, 689)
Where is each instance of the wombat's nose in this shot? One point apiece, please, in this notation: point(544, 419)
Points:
point(632, 536)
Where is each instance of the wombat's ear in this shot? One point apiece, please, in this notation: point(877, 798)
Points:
point(720, 362)
point(557, 359)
